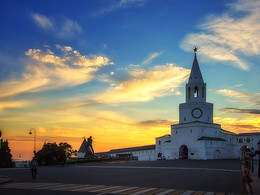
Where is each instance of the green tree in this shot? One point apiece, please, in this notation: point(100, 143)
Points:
point(53, 154)
point(5, 155)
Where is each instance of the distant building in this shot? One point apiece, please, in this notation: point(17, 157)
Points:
point(134, 153)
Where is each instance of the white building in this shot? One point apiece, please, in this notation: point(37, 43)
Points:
point(197, 136)
point(142, 153)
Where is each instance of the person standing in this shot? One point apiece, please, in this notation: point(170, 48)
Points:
point(90, 144)
point(34, 166)
point(247, 180)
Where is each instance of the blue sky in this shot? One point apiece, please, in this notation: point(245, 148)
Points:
point(117, 69)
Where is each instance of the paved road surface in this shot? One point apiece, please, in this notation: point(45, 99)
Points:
point(135, 178)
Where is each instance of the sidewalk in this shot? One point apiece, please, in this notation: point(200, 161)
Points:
point(4, 179)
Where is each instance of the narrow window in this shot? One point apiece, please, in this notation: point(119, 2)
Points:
point(203, 91)
point(159, 142)
point(196, 92)
point(191, 131)
point(184, 118)
point(189, 92)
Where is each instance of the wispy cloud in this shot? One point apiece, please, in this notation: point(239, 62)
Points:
point(166, 123)
point(13, 104)
point(42, 21)
point(144, 85)
point(62, 28)
point(49, 71)
point(248, 124)
point(151, 57)
point(117, 4)
point(228, 38)
point(239, 110)
point(252, 98)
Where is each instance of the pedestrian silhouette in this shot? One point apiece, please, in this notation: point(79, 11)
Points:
point(34, 166)
point(247, 180)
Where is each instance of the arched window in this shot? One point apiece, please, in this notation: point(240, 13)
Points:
point(196, 92)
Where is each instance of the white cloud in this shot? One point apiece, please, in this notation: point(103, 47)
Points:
point(49, 71)
point(42, 21)
point(252, 98)
point(145, 85)
point(113, 5)
point(151, 57)
point(69, 28)
point(226, 37)
point(13, 104)
point(62, 28)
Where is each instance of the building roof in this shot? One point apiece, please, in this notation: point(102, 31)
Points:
point(248, 134)
point(211, 138)
point(164, 136)
point(132, 149)
point(227, 132)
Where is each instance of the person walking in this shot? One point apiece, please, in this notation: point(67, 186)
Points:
point(34, 166)
point(247, 180)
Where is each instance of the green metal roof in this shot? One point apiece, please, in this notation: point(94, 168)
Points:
point(211, 138)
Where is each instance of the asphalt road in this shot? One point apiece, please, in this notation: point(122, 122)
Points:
point(195, 175)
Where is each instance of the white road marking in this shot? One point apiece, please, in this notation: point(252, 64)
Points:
point(108, 188)
point(87, 188)
point(123, 190)
point(188, 192)
point(143, 191)
point(166, 192)
point(172, 168)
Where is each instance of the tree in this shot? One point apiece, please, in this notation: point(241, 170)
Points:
point(5, 155)
point(53, 154)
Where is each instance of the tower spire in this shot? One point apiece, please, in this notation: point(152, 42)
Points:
point(195, 75)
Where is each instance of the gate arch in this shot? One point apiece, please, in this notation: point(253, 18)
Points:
point(183, 152)
point(217, 154)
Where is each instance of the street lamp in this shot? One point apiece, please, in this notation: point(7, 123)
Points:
point(258, 152)
point(32, 130)
point(0, 139)
point(252, 157)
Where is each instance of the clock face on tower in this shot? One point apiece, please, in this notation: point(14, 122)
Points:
point(196, 112)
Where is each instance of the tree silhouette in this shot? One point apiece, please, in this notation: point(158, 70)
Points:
point(53, 154)
point(5, 155)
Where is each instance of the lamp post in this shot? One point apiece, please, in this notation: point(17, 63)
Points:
point(258, 152)
point(31, 131)
point(252, 157)
point(0, 139)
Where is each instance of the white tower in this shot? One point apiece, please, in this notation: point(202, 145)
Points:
point(195, 108)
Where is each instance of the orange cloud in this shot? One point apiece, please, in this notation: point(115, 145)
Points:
point(245, 125)
point(49, 71)
point(145, 85)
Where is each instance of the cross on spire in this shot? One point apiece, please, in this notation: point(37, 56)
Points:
point(195, 50)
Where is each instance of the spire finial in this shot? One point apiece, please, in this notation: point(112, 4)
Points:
point(195, 50)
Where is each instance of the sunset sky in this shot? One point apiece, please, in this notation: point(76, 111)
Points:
point(116, 69)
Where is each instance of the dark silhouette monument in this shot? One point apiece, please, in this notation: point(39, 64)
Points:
point(87, 148)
